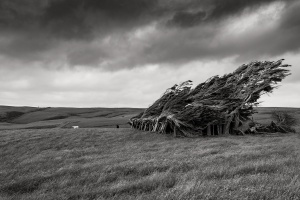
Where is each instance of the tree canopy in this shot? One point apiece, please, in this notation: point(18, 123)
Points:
point(220, 105)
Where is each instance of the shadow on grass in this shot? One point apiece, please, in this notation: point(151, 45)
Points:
point(183, 167)
point(33, 184)
point(242, 171)
point(122, 189)
point(25, 186)
point(136, 171)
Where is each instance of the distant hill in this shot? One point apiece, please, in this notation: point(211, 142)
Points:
point(64, 117)
point(52, 117)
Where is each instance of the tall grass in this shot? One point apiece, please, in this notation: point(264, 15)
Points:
point(128, 164)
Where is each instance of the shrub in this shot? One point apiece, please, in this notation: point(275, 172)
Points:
point(283, 118)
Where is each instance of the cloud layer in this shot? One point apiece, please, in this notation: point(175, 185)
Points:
point(54, 45)
point(111, 34)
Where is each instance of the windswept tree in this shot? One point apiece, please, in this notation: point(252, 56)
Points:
point(220, 105)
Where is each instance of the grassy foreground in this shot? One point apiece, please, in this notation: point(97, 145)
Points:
point(129, 164)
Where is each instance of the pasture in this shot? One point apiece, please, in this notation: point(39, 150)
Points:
point(106, 163)
point(51, 117)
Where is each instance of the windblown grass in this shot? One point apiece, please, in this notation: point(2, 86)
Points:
point(129, 164)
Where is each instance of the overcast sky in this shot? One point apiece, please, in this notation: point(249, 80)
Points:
point(117, 53)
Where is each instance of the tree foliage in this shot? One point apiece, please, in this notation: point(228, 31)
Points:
point(218, 105)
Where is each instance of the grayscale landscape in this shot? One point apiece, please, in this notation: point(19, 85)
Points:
point(149, 100)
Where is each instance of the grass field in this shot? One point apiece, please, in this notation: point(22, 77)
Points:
point(106, 163)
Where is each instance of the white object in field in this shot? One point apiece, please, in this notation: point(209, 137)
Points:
point(253, 129)
point(75, 127)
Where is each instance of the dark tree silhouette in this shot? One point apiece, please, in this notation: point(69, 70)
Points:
point(220, 105)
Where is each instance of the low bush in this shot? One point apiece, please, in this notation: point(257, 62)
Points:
point(283, 118)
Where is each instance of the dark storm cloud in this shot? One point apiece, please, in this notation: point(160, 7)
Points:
point(226, 8)
point(79, 18)
point(212, 11)
point(290, 28)
point(186, 30)
point(282, 39)
point(200, 43)
point(31, 27)
point(187, 19)
point(72, 18)
point(78, 52)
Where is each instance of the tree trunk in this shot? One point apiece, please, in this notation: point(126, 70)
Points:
point(208, 130)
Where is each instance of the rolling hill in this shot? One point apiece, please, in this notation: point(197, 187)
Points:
point(33, 117)
point(64, 117)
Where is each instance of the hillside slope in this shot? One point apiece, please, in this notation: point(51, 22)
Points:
point(38, 118)
point(32, 117)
